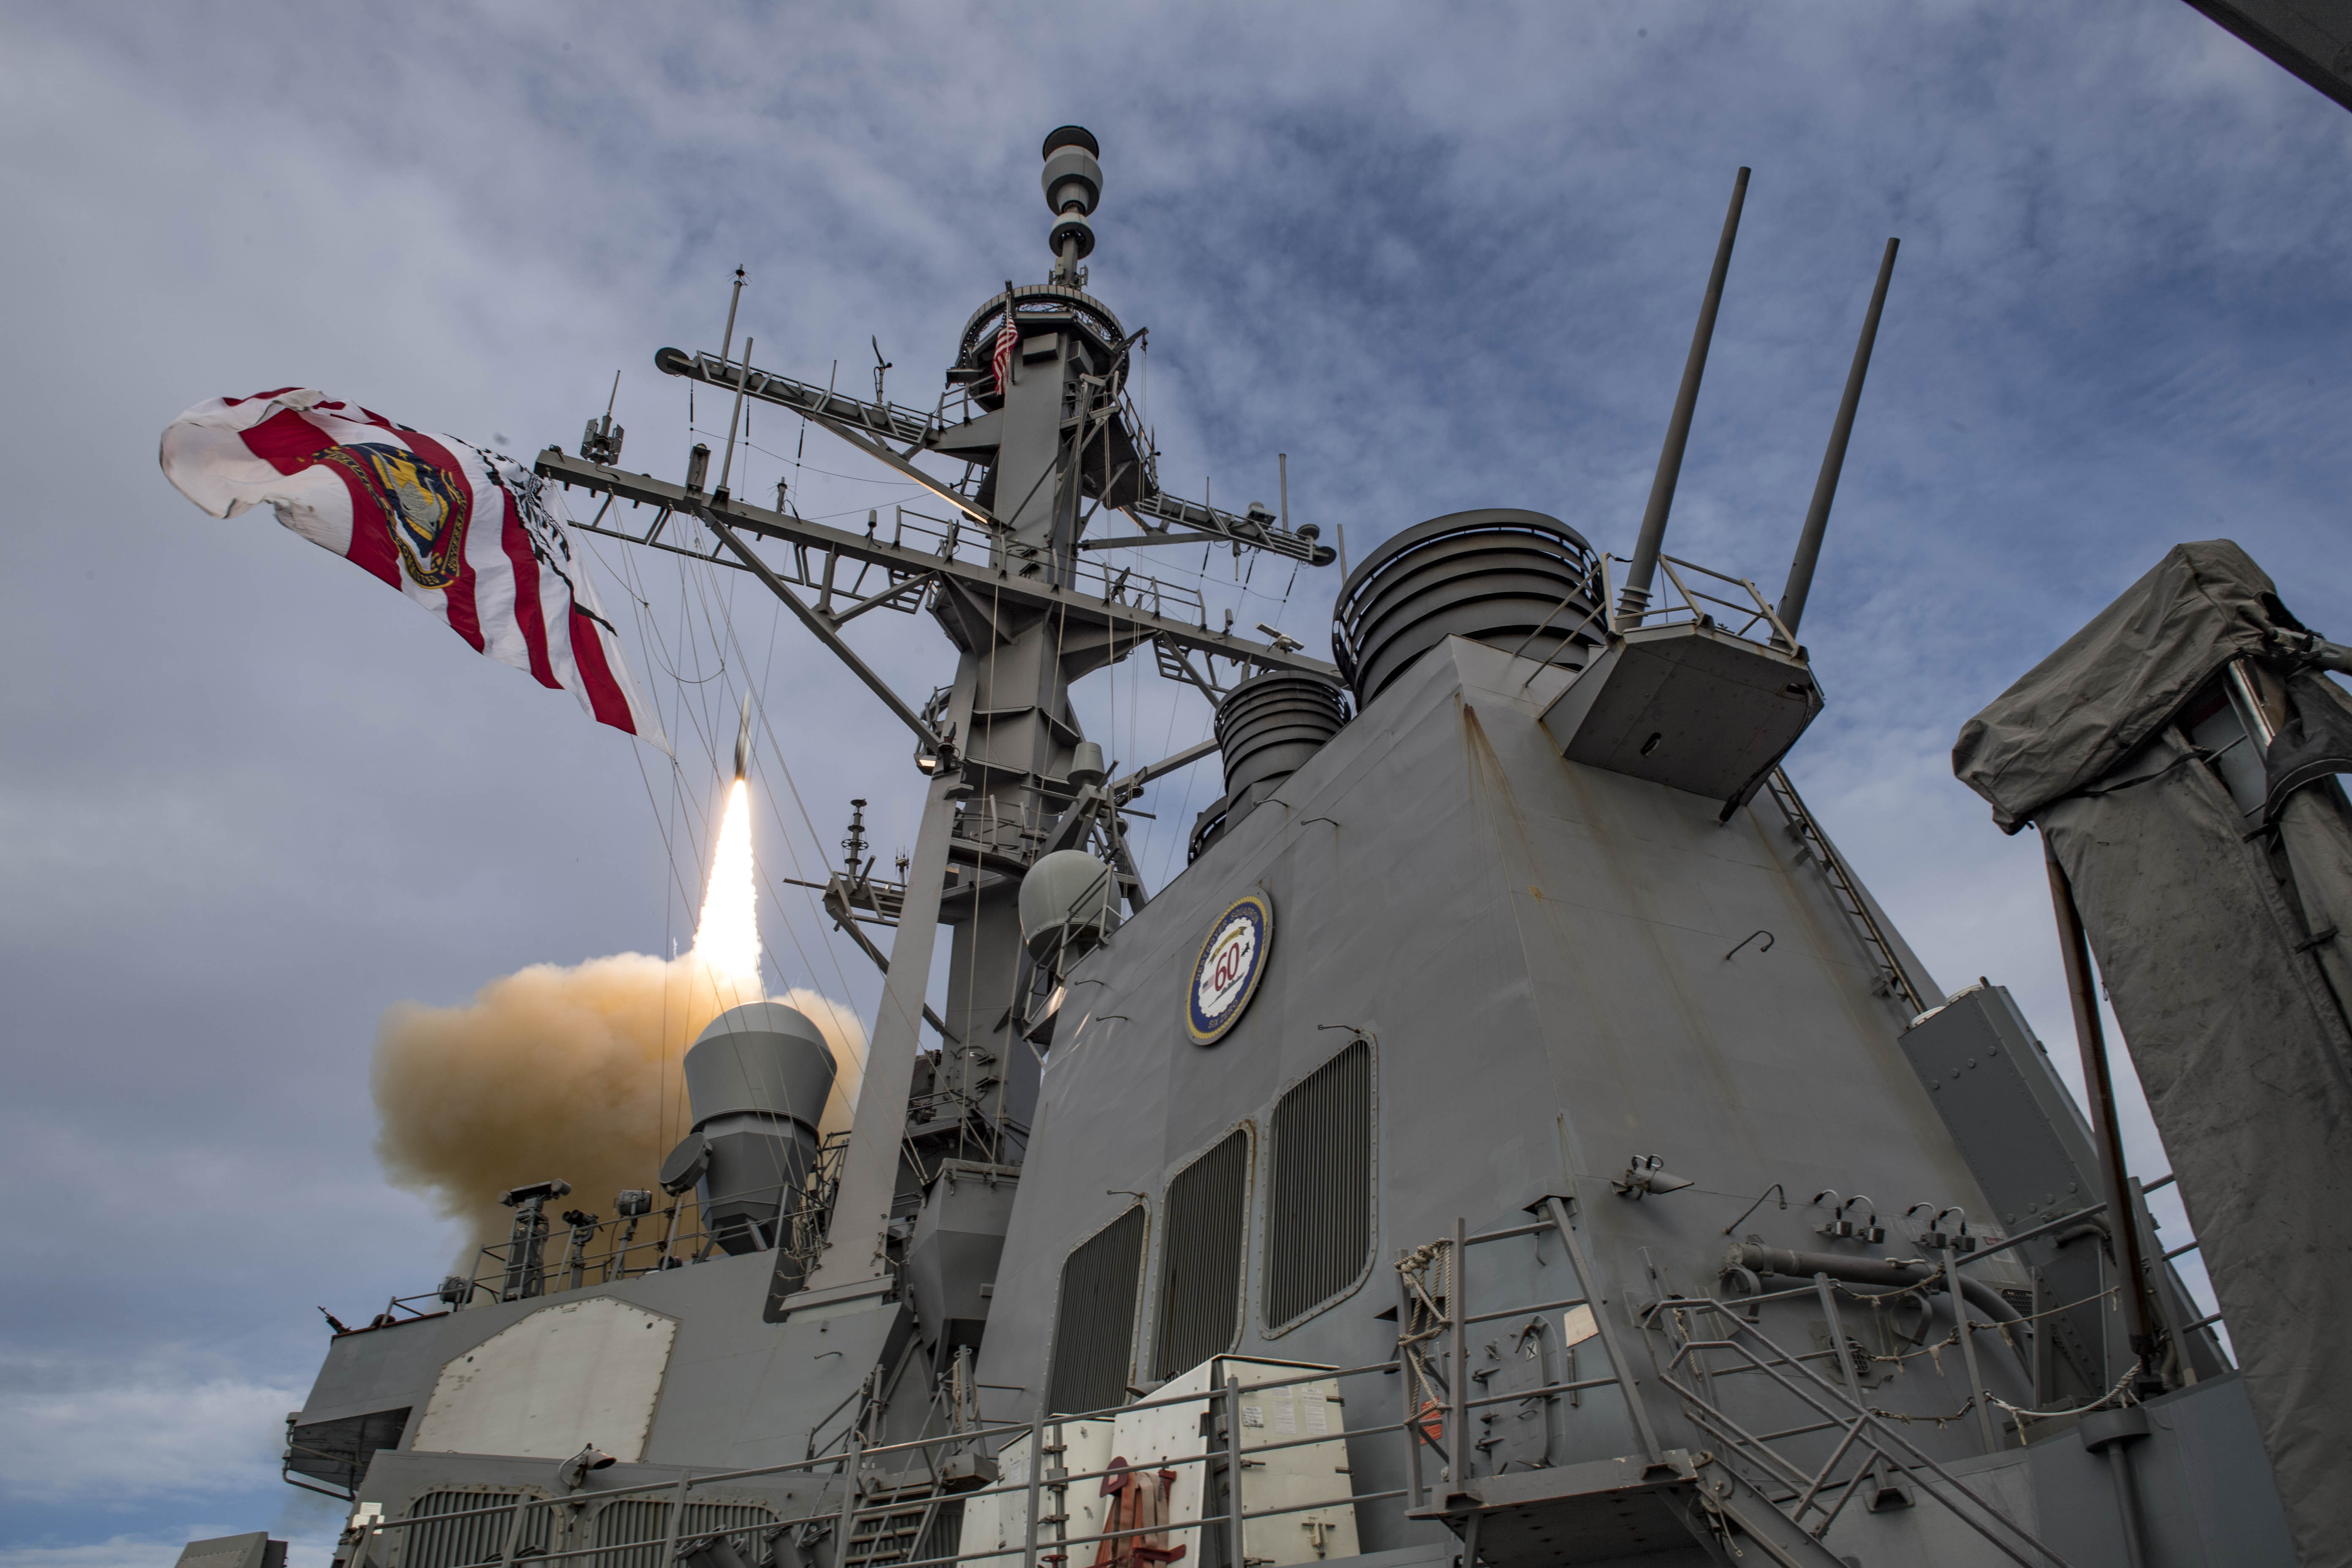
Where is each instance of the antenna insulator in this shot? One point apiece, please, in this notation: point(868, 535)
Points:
point(1071, 136)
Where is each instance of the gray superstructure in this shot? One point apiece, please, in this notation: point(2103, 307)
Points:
point(1517, 1136)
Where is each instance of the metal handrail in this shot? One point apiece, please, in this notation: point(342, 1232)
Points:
point(1852, 903)
point(1756, 609)
point(1825, 1399)
point(1808, 1490)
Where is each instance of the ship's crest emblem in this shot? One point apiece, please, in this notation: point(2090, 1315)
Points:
point(1226, 972)
point(424, 507)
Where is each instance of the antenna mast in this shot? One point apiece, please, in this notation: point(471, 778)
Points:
point(1037, 407)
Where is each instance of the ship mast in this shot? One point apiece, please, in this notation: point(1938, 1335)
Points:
point(1030, 606)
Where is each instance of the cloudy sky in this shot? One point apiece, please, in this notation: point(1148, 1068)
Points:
point(1442, 255)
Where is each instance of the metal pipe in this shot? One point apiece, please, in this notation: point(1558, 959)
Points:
point(1817, 517)
point(1411, 1412)
point(1635, 595)
point(2119, 1471)
point(1862, 1271)
point(1061, 1495)
point(734, 420)
point(2106, 1127)
point(1610, 1346)
point(2251, 710)
point(1978, 1395)
point(677, 1521)
point(1236, 1551)
point(728, 344)
point(1837, 1336)
point(1457, 1374)
point(848, 1525)
point(1036, 1477)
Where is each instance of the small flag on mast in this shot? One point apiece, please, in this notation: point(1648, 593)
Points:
point(473, 536)
point(1008, 338)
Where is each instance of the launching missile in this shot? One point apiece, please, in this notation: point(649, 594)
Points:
point(743, 740)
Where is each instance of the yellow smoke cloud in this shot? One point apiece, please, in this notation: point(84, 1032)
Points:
point(556, 1070)
point(574, 1071)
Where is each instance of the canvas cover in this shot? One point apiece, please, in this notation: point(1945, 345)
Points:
point(2218, 949)
point(2112, 684)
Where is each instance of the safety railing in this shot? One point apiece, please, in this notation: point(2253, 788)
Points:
point(576, 1253)
point(1712, 602)
point(1045, 1536)
point(1865, 1440)
point(883, 1501)
point(961, 538)
point(1814, 844)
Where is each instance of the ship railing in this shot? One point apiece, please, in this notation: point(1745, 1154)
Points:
point(848, 589)
point(965, 540)
point(1868, 1444)
point(888, 1502)
point(1749, 1480)
point(573, 1257)
point(1703, 597)
point(877, 1492)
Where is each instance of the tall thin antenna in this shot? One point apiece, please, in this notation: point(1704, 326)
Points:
point(615, 397)
point(1636, 597)
point(1282, 488)
point(726, 347)
point(734, 418)
point(1817, 517)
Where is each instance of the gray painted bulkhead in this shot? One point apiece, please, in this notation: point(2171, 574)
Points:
point(1588, 1014)
point(736, 1391)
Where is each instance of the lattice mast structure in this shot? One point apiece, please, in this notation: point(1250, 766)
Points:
point(1037, 406)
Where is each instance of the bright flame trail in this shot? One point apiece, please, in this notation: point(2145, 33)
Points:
point(727, 937)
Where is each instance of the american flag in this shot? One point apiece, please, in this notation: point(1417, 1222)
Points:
point(1008, 338)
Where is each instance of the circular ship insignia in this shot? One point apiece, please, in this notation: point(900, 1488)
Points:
point(1225, 974)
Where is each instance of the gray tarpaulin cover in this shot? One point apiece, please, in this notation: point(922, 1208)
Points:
point(2218, 953)
point(2113, 683)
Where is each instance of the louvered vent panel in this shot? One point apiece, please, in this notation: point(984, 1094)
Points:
point(461, 1542)
point(1319, 1237)
point(628, 1522)
point(1200, 1263)
point(1094, 1327)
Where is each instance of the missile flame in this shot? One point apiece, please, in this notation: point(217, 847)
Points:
point(727, 936)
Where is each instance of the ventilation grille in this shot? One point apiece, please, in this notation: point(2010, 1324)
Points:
point(1200, 1262)
point(1094, 1329)
point(1320, 1211)
point(460, 1542)
point(626, 1523)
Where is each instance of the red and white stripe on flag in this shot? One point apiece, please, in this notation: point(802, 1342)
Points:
point(1008, 338)
point(474, 536)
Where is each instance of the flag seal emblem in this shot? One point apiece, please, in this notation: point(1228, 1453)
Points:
point(1226, 972)
point(425, 509)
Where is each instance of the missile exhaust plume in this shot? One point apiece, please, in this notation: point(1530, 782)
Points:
point(574, 1070)
point(727, 937)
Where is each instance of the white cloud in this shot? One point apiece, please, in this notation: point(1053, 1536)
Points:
point(114, 1551)
point(1439, 258)
point(164, 1431)
point(302, 1550)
